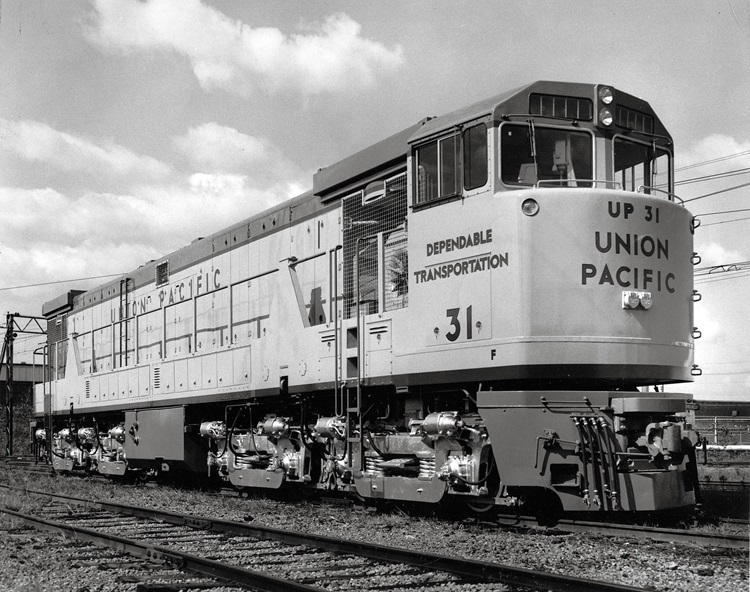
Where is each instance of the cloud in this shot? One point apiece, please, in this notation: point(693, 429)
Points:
point(158, 217)
point(710, 325)
point(225, 54)
point(218, 185)
point(715, 254)
point(711, 165)
point(50, 236)
point(221, 148)
point(38, 142)
point(714, 147)
point(215, 149)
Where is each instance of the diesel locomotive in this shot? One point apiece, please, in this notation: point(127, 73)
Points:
point(481, 308)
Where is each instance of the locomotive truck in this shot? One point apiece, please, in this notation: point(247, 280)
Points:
point(480, 308)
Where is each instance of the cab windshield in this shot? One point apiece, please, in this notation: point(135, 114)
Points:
point(530, 153)
point(639, 164)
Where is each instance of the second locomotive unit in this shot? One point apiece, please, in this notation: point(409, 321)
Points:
point(472, 309)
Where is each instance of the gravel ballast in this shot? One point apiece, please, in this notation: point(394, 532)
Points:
point(32, 562)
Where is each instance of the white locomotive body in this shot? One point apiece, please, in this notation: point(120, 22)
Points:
point(466, 308)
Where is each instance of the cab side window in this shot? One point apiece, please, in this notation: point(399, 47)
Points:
point(436, 170)
point(448, 166)
point(444, 165)
point(475, 156)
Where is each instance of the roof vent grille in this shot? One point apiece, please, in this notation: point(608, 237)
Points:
point(162, 273)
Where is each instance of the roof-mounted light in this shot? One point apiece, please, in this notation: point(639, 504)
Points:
point(606, 106)
point(606, 95)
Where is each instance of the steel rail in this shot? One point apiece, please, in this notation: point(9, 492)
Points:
point(673, 535)
point(477, 570)
point(177, 559)
point(617, 530)
point(719, 484)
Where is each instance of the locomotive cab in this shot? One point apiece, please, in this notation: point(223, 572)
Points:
point(565, 280)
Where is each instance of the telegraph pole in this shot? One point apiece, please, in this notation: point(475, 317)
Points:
point(14, 325)
point(7, 355)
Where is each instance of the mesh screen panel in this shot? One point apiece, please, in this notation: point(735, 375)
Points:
point(363, 222)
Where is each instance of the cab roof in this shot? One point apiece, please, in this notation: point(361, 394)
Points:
point(393, 150)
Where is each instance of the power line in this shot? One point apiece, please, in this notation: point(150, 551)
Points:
point(731, 382)
point(25, 337)
point(711, 280)
point(30, 347)
point(721, 158)
point(722, 268)
point(732, 342)
point(95, 277)
point(725, 363)
point(716, 273)
point(733, 173)
point(713, 177)
point(716, 192)
point(724, 212)
point(725, 221)
point(725, 174)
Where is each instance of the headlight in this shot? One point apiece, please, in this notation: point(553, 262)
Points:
point(606, 95)
point(605, 117)
point(530, 207)
point(630, 299)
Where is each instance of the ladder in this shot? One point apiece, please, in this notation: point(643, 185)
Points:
point(353, 370)
point(122, 358)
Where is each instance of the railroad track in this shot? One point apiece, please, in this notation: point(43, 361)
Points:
point(726, 463)
point(264, 558)
point(25, 463)
point(634, 531)
point(676, 535)
point(123, 570)
point(724, 484)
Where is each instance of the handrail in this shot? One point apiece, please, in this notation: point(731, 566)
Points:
point(671, 195)
point(614, 184)
point(338, 347)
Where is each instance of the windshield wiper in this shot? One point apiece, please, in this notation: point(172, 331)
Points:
point(532, 139)
point(648, 134)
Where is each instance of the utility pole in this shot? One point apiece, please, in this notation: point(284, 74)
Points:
point(7, 354)
point(14, 325)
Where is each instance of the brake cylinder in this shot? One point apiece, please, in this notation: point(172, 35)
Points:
point(277, 427)
point(330, 427)
point(672, 438)
point(442, 423)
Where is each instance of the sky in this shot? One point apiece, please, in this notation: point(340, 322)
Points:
point(129, 128)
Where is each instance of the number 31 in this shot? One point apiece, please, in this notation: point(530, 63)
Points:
point(452, 314)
